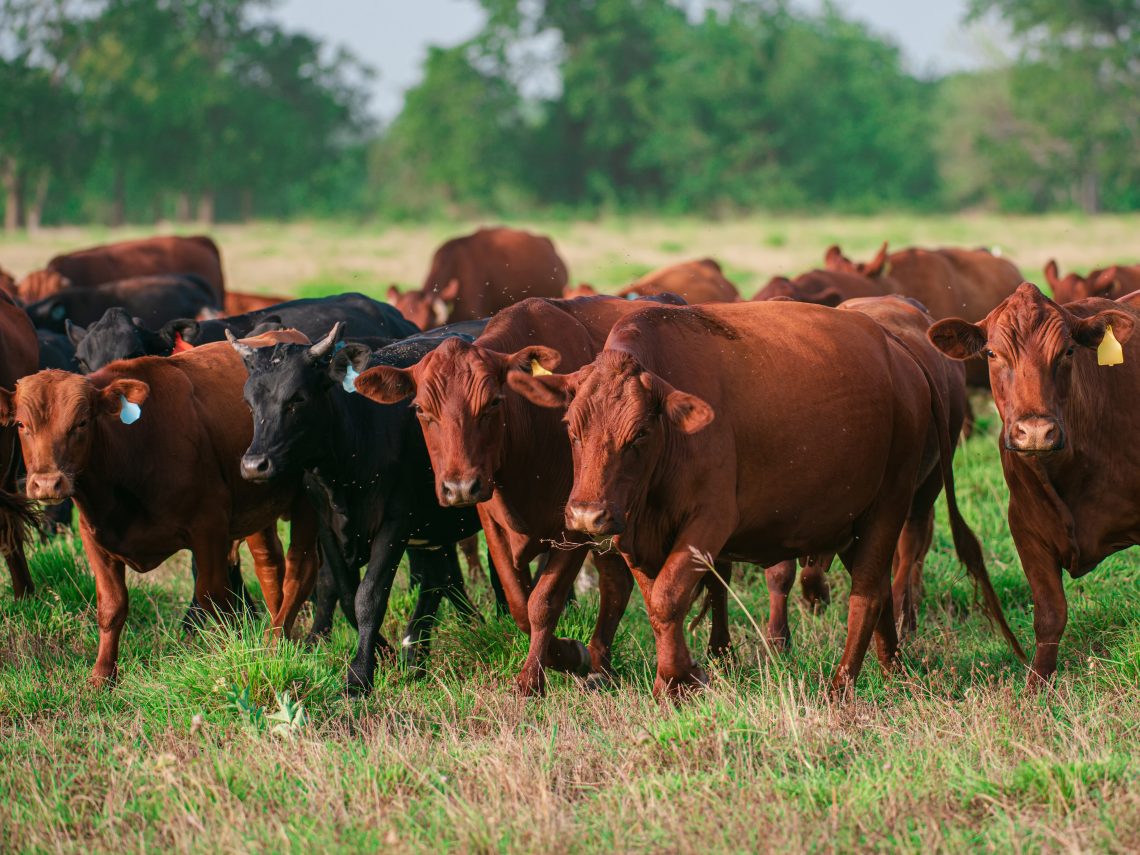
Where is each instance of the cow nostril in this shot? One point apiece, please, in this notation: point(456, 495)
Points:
point(263, 465)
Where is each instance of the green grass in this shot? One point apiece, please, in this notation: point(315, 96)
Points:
point(953, 755)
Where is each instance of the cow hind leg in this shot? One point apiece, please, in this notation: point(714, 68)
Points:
point(780, 577)
point(813, 582)
point(906, 590)
point(432, 569)
point(716, 592)
point(615, 584)
point(371, 606)
point(268, 564)
point(325, 596)
point(301, 565)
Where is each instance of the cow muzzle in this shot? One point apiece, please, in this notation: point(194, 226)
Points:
point(257, 467)
point(50, 488)
point(462, 492)
point(1035, 435)
point(593, 518)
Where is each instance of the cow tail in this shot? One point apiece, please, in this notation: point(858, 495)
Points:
point(965, 541)
point(17, 515)
point(706, 603)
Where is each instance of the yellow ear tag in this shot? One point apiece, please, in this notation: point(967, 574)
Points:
point(1109, 352)
point(537, 370)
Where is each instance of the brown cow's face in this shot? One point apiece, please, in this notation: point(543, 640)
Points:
point(1072, 286)
point(834, 259)
point(426, 309)
point(57, 415)
point(1030, 343)
point(620, 419)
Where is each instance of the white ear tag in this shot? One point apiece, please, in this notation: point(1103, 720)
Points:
point(350, 375)
point(130, 413)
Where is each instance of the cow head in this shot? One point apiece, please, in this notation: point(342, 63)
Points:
point(459, 389)
point(1072, 286)
point(58, 415)
point(426, 309)
point(1030, 342)
point(834, 259)
point(285, 391)
point(621, 419)
point(41, 284)
point(117, 335)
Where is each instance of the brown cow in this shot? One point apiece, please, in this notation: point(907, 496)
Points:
point(238, 303)
point(1108, 282)
point(695, 282)
point(476, 275)
point(822, 287)
point(754, 431)
point(8, 284)
point(490, 447)
point(110, 262)
point(149, 449)
point(906, 321)
point(19, 356)
point(1067, 429)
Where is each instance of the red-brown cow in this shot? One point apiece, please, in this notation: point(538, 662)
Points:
point(238, 303)
point(1108, 282)
point(756, 432)
point(489, 446)
point(476, 275)
point(905, 320)
point(822, 287)
point(695, 282)
point(111, 262)
point(1067, 427)
point(8, 284)
point(19, 356)
point(150, 449)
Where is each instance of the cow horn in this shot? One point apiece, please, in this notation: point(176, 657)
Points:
point(323, 347)
point(243, 350)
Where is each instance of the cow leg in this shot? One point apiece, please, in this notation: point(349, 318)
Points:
point(212, 590)
point(301, 563)
point(432, 569)
point(615, 584)
point(455, 592)
point(515, 577)
point(372, 604)
point(914, 543)
point(720, 639)
point(813, 583)
point(1050, 608)
point(196, 613)
point(111, 606)
point(780, 577)
point(268, 565)
point(470, 548)
point(22, 584)
point(325, 596)
point(544, 607)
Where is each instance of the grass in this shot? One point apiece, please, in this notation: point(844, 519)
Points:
point(954, 755)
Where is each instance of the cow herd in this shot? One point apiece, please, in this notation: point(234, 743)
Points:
point(664, 433)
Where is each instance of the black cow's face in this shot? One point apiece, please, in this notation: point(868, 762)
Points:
point(286, 390)
point(114, 336)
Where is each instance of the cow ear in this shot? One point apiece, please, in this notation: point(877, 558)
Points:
point(957, 338)
point(7, 407)
point(439, 312)
point(348, 363)
point(450, 292)
point(877, 266)
point(1104, 283)
point(1052, 274)
point(1088, 332)
point(536, 360)
point(393, 294)
point(185, 329)
point(386, 385)
point(544, 390)
point(124, 398)
point(75, 333)
point(834, 259)
point(688, 412)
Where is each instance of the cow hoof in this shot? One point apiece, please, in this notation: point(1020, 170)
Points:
point(531, 685)
point(316, 639)
point(585, 662)
point(356, 686)
point(680, 688)
point(780, 643)
point(598, 681)
point(101, 680)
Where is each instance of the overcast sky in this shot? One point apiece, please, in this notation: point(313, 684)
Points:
point(392, 35)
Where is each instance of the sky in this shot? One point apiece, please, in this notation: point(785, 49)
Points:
point(393, 35)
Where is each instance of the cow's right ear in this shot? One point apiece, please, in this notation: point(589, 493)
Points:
point(124, 398)
point(75, 333)
point(386, 385)
point(348, 363)
point(834, 259)
point(877, 266)
point(180, 332)
point(7, 407)
point(544, 390)
point(957, 338)
point(393, 294)
point(1052, 274)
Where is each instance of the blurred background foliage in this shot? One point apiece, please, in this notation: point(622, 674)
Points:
point(144, 110)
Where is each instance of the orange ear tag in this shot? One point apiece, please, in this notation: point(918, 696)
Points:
point(537, 370)
point(1109, 352)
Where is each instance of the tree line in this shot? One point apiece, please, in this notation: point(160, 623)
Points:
point(149, 109)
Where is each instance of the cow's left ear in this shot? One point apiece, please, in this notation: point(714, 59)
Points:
point(124, 398)
point(1104, 284)
point(7, 407)
point(688, 412)
point(544, 390)
point(386, 385)
point(878, 265)
point(449, 293)
point(537, 360)
point(348, 363)
point(957, 338)
point(1088, 332)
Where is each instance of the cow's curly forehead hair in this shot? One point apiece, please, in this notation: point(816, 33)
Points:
point(52, 396)
point(1029, 321)
point(458, 364)
point(610, 391)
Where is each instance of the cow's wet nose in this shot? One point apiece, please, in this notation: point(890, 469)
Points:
point(592, 518)
point(257, 467)
point(48, 487)
point(458, 492)
point(1037, 435)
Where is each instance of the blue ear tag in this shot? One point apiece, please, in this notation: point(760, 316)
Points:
point(130, 413)
point(350, 375)
point(632, 296)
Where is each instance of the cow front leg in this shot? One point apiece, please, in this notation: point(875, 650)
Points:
point(111, 606)
point(301, 564)
point(544, 608)
point(372, 604)
point(615, 584)
point(268, 564)
point(1050, 608)
point(780, 578)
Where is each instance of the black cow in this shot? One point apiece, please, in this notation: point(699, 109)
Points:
point(155, 300)
point(118, 336)
point(56, 351)
point(372, 466)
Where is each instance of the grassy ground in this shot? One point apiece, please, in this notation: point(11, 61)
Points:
point(954, 755)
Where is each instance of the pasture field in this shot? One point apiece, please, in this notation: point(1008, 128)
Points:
point(193, 751)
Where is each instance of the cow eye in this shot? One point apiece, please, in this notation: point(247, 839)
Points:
point(20, 426)
point(989, 353)
point(1072, 349)
point(639, 436)
point(82, 423)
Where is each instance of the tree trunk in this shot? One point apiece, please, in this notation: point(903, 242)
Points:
point(206, 207)
point(13, 194)
point(35, 209)
point(119, 208)
point(182, 207)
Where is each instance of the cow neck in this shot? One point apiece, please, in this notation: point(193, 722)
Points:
point(345, 453)
point(522, 460)
point(660, 511)
point(104, 475)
